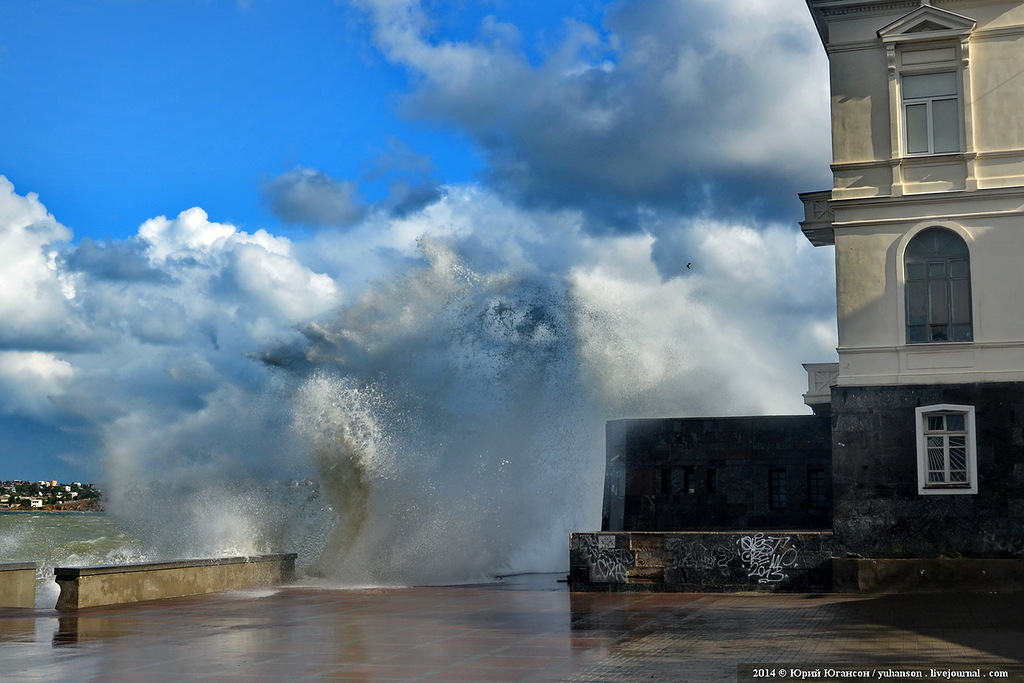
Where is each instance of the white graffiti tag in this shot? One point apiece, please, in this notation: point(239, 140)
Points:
point(766, 557)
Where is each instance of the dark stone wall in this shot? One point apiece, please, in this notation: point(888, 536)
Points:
point(877, 509)
point(675, 474)
point(701, 561)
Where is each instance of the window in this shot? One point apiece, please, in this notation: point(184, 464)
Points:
point(777, 489)
point(927, 52)
point(946, 452)
point(938, 288)
point(931, 113)
point(666, 481)
point(688, 483)
point(816, 488)
point(712, 481)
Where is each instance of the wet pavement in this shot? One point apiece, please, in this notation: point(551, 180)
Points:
point(529, 629)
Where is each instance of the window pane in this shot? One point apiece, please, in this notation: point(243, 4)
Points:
point(917, 303)
point(916, 334)
point(938, 305)
point(929, 85)
point(963, 333)
point(917, 128)
point(936, 243)
point(960, 295)
point(915, 271)
point(955, 423)
point(958, 459)
point(937, 270)
point(936, 459)
point(939, 333)
point(959, 268)
point(945, 126)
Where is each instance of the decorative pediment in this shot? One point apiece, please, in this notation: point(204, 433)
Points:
point(927, 23)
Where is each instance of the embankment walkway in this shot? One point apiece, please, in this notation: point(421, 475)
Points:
point(524, 630)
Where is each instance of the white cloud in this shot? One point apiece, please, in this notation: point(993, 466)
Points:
point(29, 378)
point(34, 300)
point(191, 234)
point(727, 338)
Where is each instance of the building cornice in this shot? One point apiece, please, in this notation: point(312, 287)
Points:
point(931, 197)
point(835, 8)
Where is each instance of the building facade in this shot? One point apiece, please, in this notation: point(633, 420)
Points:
point(926, 215)
point(717, 474)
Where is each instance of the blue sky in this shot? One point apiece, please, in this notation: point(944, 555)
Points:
point(135, 109)
point(192, 191)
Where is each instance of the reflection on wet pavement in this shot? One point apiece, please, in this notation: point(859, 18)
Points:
point(533, 630)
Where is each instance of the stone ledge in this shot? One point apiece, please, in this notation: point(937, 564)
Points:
point(93, 570)
point(96, 586)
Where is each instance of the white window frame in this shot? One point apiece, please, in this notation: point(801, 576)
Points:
point(924, 487)
point(928, 40)
point(928, 101)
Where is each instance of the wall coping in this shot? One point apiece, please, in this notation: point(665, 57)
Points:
point(723, 532)
point(75, 572)
point(16, 566)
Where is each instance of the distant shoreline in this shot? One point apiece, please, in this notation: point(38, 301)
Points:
point(84, 506)
point(50, 509)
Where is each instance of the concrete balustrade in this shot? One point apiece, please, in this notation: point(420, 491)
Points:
point(83, 587)
point(17, 584)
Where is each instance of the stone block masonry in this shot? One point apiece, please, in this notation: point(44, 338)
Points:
point(83, 587)
point(701, 561)
point(878, 510)
point(851, 575)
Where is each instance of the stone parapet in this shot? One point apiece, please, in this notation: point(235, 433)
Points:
point(701, 561)
point(17, 584)
point(83, 587)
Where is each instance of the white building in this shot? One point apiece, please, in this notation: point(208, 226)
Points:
point(926, 214)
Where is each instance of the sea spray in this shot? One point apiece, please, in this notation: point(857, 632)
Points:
point(436, 429)
point(452, 435)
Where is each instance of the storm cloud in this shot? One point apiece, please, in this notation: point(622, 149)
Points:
point(689, 106)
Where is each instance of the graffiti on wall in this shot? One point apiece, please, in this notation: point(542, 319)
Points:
point(697, 555)
point(712, 559)
point(767, 557)
point(609, 566)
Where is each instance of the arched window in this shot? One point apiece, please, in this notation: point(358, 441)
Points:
point(938, 288)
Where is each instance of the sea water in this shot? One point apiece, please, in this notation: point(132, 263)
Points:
point(64, 539)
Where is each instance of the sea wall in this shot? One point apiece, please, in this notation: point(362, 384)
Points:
point(926, 575)
point(701, 561)
point(83, 587)
point(17, 584)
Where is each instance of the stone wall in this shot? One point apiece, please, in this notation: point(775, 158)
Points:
point(926, 575)
point(17, 584)
point(673, 474)
point(701, 561)
point(878, 511)
point(83, 587)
